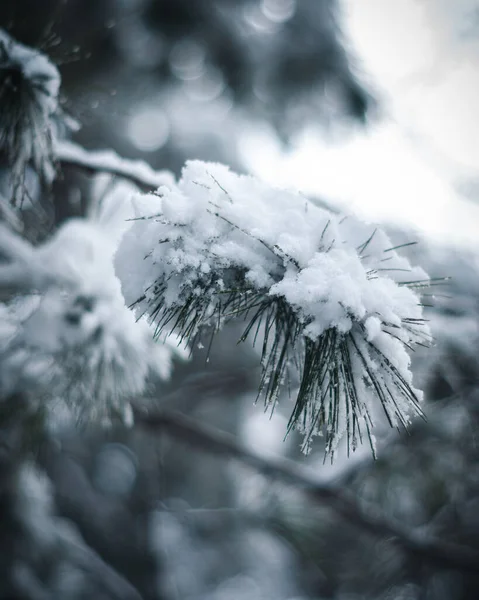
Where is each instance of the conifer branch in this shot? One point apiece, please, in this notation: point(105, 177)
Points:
point(426, 547)
point(327, 319)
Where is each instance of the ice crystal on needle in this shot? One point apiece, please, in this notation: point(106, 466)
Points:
point(329, 297)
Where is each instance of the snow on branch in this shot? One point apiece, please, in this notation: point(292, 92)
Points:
point(107, 161)
point(326, 297)
point(32, 123)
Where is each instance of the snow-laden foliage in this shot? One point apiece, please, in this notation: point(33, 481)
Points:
point(77, 342)
point(29, 86)
point(329, 297)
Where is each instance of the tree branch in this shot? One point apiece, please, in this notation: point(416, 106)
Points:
point(106, 161)
point(427, 548)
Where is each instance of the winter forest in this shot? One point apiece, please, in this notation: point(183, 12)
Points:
point(239, 300)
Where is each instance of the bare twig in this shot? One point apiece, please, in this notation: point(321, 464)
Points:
point(425, 547)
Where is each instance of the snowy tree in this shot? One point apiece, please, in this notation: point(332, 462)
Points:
point(312, 284)
point(96, 310)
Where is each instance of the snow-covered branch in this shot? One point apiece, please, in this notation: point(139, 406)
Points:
point(29, 116)
point(330, 298)
point(108, 161)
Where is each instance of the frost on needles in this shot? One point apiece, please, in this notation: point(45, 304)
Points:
point(332, 305)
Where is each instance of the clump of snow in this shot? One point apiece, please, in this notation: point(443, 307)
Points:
point(215, 235)
point(78, 341)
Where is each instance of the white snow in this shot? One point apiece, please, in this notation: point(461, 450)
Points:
point(36, 67)
point(110, 162)
point(214, 231)
point(78, 342)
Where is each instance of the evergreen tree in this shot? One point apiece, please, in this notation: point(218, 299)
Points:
point(158, 273)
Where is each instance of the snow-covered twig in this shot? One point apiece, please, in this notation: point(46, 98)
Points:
point(425, 547)
point(107, 161)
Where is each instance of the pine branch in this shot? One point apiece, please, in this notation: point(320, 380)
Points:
point(106, 161)
point(29, 117)
point(329, 318)
point(427, 548)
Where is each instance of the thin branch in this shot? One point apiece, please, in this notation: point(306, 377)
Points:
point(428, 548)
point(106, 161)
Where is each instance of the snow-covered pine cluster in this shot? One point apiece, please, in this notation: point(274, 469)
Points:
point(68, 339)
point(29, 87)
point(331, 303)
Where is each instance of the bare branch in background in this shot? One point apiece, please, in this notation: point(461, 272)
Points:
point(425, 547)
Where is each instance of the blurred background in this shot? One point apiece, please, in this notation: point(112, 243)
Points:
point(367, 107)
